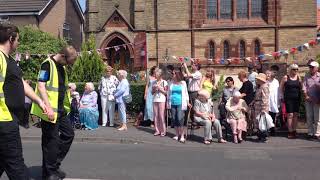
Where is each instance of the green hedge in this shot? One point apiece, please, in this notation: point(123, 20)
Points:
point(137, 91)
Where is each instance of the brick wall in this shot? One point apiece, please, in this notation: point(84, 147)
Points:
point(202, 38)
point(173, 14)
point(297, 12)
point(74, 20)
point(23, 20)
point(52, 20)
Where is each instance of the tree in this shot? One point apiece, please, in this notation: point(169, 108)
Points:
point(35, 41)
point(89, 67)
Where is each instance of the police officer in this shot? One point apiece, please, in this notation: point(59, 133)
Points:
point(57, 131)
point(12, 93)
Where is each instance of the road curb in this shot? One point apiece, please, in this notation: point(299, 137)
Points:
point(91, 140)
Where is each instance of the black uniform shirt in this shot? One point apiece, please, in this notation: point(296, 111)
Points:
point(13, 87)
point(45, 76)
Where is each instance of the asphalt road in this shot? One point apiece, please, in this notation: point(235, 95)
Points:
point(153, 162)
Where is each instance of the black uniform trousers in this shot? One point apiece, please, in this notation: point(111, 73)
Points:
point(56, 141)
point(11, 158)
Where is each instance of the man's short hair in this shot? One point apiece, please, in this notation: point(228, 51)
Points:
point(68, 51)
point(8, 31)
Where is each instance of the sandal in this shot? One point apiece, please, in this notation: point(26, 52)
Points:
point(156, 134)
point(206, 142)
point(162, 134)
point(222, 141)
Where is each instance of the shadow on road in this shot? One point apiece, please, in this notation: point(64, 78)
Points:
point(35, 172)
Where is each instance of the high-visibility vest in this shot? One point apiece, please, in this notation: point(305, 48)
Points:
point(4, 111)
point(52, 87)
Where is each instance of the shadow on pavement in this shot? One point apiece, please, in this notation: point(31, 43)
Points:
point(35, 172)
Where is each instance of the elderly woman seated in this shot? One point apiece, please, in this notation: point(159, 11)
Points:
point(89, 113)
point(204, 115)
point(236, 108)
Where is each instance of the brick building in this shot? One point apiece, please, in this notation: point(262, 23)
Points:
point(61, 18)
point(205, 29)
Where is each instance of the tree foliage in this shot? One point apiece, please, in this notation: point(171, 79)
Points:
point(35, 41)
point(89, 67)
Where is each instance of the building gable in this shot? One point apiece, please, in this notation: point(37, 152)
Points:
point(117, 20)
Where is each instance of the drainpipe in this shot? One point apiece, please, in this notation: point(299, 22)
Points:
point(192, 32)
point(276, 6)
point(157, 28)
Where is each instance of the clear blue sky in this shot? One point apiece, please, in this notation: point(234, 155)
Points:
point(83, 4)
point(318, 2)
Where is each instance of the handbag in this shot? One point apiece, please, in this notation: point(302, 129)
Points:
point(127, 99)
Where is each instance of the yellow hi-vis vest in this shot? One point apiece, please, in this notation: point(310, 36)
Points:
point(4, 111)
point(52, 87)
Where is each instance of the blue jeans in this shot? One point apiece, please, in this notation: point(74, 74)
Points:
point(177, 115)
point(122, 111)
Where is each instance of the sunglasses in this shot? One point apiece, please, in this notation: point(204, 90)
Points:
point(295, 69)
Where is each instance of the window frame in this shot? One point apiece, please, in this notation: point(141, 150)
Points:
point(226, 54)
point(213, 7)
point(242, 49)
point(211, 50)
point(226, 14)
point(257, 47)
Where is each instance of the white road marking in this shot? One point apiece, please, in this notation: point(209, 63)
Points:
point(79, 179)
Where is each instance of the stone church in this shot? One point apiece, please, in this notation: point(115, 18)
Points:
point(152, 31)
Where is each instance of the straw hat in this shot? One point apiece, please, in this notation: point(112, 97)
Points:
point(204, 93)
point(262, 77)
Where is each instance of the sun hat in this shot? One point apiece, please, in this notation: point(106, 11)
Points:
point(262, 77)
point(314, 64)
point(204, 93)
point(237, 94)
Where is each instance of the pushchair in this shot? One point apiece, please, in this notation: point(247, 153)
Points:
point(74, 114)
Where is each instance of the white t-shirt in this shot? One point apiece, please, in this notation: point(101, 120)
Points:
point(195, 81)
point(158, 96)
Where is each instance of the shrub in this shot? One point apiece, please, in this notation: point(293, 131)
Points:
point(89, 67)
point(217, 93)
point(35, 41)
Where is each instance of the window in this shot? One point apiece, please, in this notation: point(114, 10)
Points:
point(67, 32)
point(226, 50)
point(257, 8)
point(242, 9)
point(242, 49)
point(212, 9)
point(226, 9)
point(212, 51)
point(257, 48)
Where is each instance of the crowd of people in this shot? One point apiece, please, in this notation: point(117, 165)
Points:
point(185, 97)
point(254, 108)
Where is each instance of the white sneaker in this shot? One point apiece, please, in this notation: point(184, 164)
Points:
point(175, 138)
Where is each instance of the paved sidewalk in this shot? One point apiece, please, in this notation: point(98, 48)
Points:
point(145, 135)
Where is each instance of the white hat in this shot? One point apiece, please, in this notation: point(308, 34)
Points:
point(237, 94)
point(314, 64)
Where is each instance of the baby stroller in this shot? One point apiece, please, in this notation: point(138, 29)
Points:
point(74, 114)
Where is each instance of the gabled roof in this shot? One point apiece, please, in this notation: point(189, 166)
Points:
point(116, 11)
point(25, 7)
point(31, 7)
